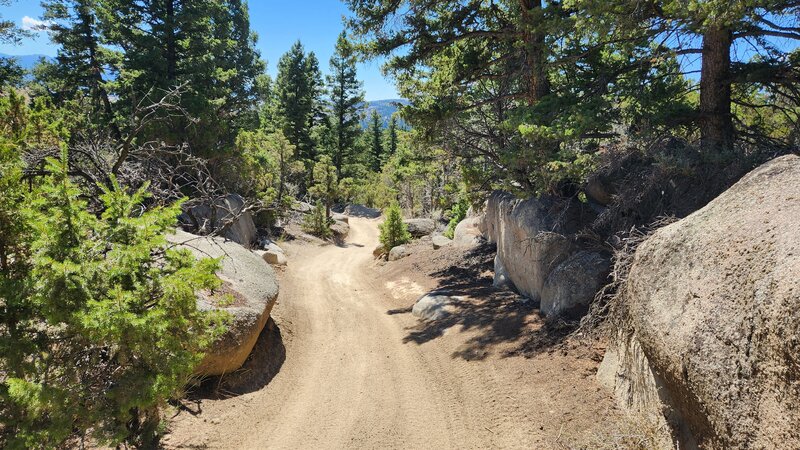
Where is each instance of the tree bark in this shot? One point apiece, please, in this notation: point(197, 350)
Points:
point(716, 120)
point(172, 56)
point(535, 58)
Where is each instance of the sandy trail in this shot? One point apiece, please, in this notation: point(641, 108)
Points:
point(350, 380)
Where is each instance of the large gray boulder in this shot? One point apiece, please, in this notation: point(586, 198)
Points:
point(340, 229)
point(361, 211)
point(538, 255)
point(468, 233)
point(420, 227)
point(226, 213)
point(713, 307)
point(254, 286)
point(572, 285)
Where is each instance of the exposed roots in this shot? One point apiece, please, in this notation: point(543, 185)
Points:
point(607, 311)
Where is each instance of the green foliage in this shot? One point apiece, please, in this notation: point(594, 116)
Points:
point(267, 165)
point(393, 231)
point(375, 142)
point(317, 222)
point(99, 315)
point(457, 214)
point(390, 141)
point(373, 190)
point(346, 101)
point(122, 55)
point(527, 93)
point(326, 184)
point(296, 95)
point(420, 172)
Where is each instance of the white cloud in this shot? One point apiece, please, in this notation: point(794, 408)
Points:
point(31, 24)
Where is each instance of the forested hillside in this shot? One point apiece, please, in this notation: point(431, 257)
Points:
point(150, 111)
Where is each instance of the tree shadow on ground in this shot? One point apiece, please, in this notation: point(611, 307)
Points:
point(263, 364)
point(502, 321)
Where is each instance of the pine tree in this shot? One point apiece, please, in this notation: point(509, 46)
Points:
point(317, 222)
point(138, 51)
point(295, 93)
point(10, 72)
point(393, 231)
point(346, 100)
point(317, 91)
point(711, 30)
point(100, 315)
point(391, 136)
point(83, 62)
point(326, 183)
point(375, 136)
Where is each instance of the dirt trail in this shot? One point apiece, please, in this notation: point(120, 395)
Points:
point(352, 379)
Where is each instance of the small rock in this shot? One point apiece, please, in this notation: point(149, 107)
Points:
point(340, 229)
point(302, 207)
point(398, 252)
point(276, 258)
point(340, 218)
point(440, 241)
point(433, 306)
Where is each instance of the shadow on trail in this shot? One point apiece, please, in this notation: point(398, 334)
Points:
point(263, 364)
point(499, 317)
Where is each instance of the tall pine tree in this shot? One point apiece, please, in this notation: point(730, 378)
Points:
point(295, 94)
point(375, 141)
point(391, 136)
point(346, 100)
point(206, 48)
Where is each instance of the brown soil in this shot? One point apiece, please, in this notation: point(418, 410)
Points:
point(361, 372)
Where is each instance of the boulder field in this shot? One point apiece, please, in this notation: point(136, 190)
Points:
point(710, 341)
point(254, 286)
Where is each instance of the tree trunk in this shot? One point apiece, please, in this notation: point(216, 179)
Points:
point(535, 58)
point(172, 54)
point(716, 121)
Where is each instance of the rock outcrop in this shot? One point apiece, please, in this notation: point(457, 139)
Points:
point(254, 287)
point(361, 211)
point(572, 285)
point(538, 254)
point(420, 227)
point(226, 212)
point(713, 307)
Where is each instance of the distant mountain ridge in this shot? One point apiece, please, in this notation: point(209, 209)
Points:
point(384, 108)
point(27, 62)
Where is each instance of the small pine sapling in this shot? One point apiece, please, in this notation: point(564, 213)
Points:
point(393, 231)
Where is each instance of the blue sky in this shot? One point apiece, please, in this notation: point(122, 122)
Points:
point(278, 24)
